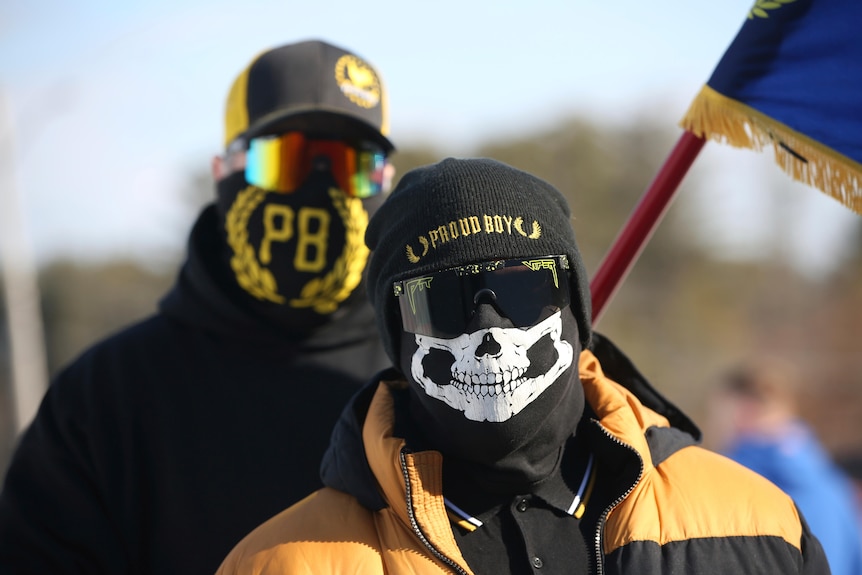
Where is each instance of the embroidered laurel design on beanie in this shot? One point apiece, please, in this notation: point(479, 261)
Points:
point(461, 211)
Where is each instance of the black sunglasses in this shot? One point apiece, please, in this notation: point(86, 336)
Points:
point(525, 290)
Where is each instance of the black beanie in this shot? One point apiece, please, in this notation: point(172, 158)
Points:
point(462, 211)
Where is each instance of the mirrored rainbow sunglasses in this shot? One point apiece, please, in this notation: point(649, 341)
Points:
point(282, 162)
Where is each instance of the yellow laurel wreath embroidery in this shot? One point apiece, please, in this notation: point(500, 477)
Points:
point(412, 257)
point(761, 6)
point(324, 294)
point(534, 234)
point(252, 277)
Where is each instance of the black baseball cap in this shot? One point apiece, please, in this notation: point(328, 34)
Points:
point(309, 86)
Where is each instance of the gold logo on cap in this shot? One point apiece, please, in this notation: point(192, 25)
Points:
point(358, 81)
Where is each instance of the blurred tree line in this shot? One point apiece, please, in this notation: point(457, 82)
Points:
point(681, 315)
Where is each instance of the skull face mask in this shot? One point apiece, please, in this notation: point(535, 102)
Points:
point(505, 390)
point(492, 376)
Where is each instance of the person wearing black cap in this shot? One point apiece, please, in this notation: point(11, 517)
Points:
point(160, 447)
point(508, 437)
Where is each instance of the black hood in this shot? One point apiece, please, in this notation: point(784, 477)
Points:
point(206, 296)
point(345, 467)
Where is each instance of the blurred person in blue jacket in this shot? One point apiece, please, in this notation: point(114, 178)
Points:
point(851, 464)
point(755, 415)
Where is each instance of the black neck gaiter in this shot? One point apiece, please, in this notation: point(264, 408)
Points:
point(299, 258)
point(509, 442)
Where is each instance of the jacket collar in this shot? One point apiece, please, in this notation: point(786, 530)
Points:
point(617, 409)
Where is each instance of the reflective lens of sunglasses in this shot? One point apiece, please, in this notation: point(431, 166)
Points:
point(283, 162)
point(525, 290)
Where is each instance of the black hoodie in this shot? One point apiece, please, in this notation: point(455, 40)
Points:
point(163, 445)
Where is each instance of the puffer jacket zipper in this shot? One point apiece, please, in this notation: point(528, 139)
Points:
point(411, 513)
point(600, 527)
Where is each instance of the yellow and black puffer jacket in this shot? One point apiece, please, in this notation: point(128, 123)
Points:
point(680, 510)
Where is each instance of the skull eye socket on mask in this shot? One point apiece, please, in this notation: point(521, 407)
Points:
point(524, 290)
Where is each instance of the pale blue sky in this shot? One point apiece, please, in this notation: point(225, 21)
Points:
point(112, 104)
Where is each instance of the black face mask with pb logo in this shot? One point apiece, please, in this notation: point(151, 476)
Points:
point(299, 256)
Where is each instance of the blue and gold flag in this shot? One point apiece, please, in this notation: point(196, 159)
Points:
point(792, 79)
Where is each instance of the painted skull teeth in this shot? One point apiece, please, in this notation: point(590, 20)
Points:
point(493, 387)
point(483, 390)
point(489, 378)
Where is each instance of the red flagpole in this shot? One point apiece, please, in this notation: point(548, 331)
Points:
point(643, 221)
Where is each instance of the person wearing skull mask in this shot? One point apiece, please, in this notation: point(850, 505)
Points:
point(507, 436)
point(159, 448)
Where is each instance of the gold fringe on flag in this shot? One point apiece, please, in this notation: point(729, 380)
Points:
point(714, 116)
